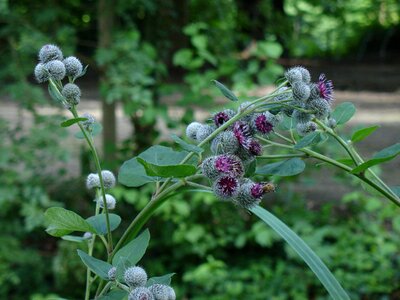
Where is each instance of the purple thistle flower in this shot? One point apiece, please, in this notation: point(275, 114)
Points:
point(257, 191)
point(242, 133)
point(254, 147)
point(229, 164)
point(226, 187)
point(223, 116)
point(325, 88)
point(263, 125)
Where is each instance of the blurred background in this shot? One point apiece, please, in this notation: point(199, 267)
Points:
point(150, 67)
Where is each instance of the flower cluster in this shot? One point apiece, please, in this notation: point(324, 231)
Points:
point(234, 149)
point(93, 181)
point(308, 100)
point(136, 278)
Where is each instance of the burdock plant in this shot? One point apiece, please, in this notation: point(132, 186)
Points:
point(296, 117)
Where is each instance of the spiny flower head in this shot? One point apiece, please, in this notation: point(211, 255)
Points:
point(56, 69)
point(226, 187)
point(89, 122)
point(72, 93)
point(225, 142)
point(223, 116)
point(112, 273)
point(325, 88)
point(263, 123)
point(305, 74)
point(208, 168)
point(50, 52)
point(191, 130)
point(110, 200)
point(229, 165)
point(249, 194)
point(108, 179)
point(92, 181)
point(203, 132)
point(254, 147)
point(301, 91)
point(304, 128)
point(73, 66)
point(162, 292)
point(242, 133)
point(135, 276)
point(293, 75)
point(140, 293)
point(320, 107)
point(41, 74)
point(300, 116)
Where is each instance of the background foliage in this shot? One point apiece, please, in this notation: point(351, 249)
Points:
point(154, 46)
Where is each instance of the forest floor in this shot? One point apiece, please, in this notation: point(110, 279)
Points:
point(375, 91)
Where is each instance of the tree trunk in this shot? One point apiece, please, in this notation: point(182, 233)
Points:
point(105, 27)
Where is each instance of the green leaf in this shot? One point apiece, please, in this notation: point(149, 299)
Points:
point(70, 122)
point(396, 190)
point(98, 266)
point(73, 238)
point(310, 258)
point(133, 174)
point(380, 157)
point(162, 156)
point(288, 167)
point(166, 279)
point(308, 140)
point(177, 171)
point(114, 295)
point(62, 221)
point(186, 146)
point(96, 129)
point(100, 224)
point(343, 112)
point(225, 91)
point(134, 250)
point(55, 93)
point(361, 134)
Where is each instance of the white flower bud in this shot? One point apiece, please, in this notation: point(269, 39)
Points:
point(108, 179)
point(135, 276)
point(92, 181)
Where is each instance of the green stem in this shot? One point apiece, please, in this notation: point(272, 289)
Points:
point(98, 168)
point(106, 288)
point(199, 186)
point(277, 156)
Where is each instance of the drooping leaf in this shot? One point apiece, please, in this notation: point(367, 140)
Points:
point(166, 280)
point(308, 140)
point(177, 171)
point(330, 283)
point(134, 250)
point(186, 146)
point(100, 224)
point(70, 122)
point(96, 129)
point(114, 295)
point(133, 174)
point(225, 91)
point(97, 266)
point(288, 167)
point(343, 112)
point(384, 155)
point(361, 134)
point(73, 238)
point(62, 221)
point(55, 93)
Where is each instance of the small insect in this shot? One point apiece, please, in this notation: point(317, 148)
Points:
point(269, 187)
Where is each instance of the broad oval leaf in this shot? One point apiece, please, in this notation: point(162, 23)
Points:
point(380, 157)
point(186, 146)
point(134, 250)
point(133, 174)
point(308, 140)
point(225, 91)
point(343, 112)
point(288, 167)
point(62, 221)
point(362, 133)
point(177, 171)
point(165, 279)
point(70, 122)
point(316, 265)
point(97, 266)
point(100, 224)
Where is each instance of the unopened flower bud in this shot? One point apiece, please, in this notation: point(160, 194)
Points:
point(332, 123)
point(110, 200)
point(204, 132)
point(305, 128)
point(249, 194)
point(208, 168)
point(140, 293)
point(301, 91)
point(191, 130)
point(92, 181)
point(320, 107)
point(41, 73)
point(89, 122)
point(56, 69)
point(108, 179)
point(161, 291)
point(301, 117)
point(50, 52)
point(225, 142)
point(72, 93)
point(87, 235)
point(73, 66)
point(135, 276)
point(305, 74)
point(112, 273)
point(293, 75)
